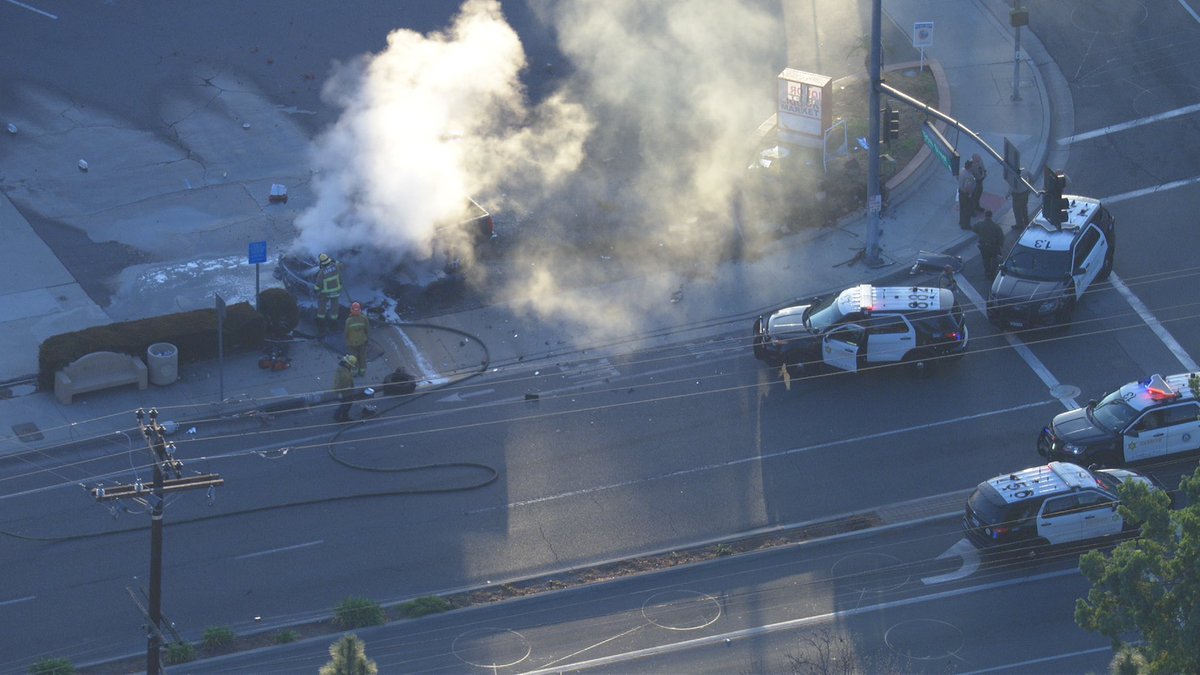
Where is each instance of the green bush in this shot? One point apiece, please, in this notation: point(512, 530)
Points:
point(280, 311)
point(193, 333)
point(423, 606)
point(284, 637)
point(357, 612)
point(218, 637)
point(52, 667)
point(180, 652)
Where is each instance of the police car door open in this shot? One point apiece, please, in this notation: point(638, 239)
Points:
point(840, 348)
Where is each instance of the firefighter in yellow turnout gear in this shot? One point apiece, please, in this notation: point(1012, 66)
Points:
point(358, 328)
point(329, 289)
point(343, 387)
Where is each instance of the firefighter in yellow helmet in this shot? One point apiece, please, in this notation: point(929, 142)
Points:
point(329, 289)
point(357, 330)
point(343, 387)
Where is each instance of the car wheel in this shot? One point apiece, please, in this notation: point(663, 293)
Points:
point(1106, 270)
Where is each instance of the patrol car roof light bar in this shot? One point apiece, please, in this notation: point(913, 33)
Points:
point(1158, 387)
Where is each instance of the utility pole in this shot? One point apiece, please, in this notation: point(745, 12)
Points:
point(874, 198)
point(164, 461)
point(1019, 18)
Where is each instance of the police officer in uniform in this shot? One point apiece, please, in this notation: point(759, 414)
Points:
point(329, 289)
point(991, 241)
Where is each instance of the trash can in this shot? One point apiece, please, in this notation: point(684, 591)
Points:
point(163, 361)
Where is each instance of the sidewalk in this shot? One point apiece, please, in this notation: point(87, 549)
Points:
point(973, 53)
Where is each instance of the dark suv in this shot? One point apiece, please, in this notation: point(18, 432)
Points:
point(864, 326)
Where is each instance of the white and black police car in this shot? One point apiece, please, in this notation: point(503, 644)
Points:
point(864, 326)
point(1051, 266)
point(1056, 503)
point(1143, 420)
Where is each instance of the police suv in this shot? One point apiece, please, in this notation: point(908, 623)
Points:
point(1052, 266)
point(1057, 503)
point(1141, 421)
point(864, 326)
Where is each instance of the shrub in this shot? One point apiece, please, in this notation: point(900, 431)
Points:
point(423, 606)
point(280, 311)
point(180, 652)
point(217, 638)
point(52, 667)
point(357, 612)
point(284, 637)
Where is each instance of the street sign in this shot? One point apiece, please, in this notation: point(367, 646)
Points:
point(922, 34)
point(875, 204)
point(258, 252)
point(940, 146)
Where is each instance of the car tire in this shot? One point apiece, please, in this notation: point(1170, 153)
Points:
point(1106, 270)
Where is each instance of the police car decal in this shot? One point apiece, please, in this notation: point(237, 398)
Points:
point(868, 298)
point(1036, 481)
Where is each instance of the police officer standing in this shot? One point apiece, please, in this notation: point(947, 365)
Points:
point(356, 332)
point(1020, 200)
point(991, 241)
point(329, 290)
point(966, 193)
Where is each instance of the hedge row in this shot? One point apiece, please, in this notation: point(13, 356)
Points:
point(193, 333)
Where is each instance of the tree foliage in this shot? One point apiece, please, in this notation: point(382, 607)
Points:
point(1145, 595)
point(349, 657)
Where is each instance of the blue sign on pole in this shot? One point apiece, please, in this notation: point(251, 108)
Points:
point(258, 252)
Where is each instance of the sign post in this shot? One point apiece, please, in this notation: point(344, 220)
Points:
point(221, 343)
point(922, 38)
point(257, 255)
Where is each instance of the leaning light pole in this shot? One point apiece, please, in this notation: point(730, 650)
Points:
point(874, 198)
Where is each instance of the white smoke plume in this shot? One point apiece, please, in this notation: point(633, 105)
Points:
point(426, 124)
point(638, 153)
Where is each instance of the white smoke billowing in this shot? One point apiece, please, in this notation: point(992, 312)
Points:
point(426, 124)
point(649, 133)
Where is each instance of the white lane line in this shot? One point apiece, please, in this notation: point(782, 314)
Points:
point(32, 9)
point(1134, 194)
point(1190, 10)
point(1131, 124)
point(279, 550)
point(1045, 659)
point(767, 629)
point(758, 458)
point(16, 600)
point(1019, 347)
point(1167, 339)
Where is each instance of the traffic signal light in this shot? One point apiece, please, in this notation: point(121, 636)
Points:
point(1054, 205)
point(893, 122)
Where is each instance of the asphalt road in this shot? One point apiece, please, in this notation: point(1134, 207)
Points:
point(649, 452)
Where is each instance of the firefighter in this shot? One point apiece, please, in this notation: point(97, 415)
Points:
point(343, 386)
point(356, 332)
point(329, 289)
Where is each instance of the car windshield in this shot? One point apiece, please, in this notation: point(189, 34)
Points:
point(1113, 413)
point(987, 504)
point(823, 314)
point(1037, 263)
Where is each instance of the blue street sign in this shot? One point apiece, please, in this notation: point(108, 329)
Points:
point(258, 252)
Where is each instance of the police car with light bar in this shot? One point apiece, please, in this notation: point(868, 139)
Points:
point(864, 326)
point(1051, 266)
point(1144, 420)
point(1057, 503)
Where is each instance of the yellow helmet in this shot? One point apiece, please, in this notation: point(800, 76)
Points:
point(324, 259)
point(350, 360)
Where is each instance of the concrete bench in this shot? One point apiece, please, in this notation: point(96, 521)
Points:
point(98, 370)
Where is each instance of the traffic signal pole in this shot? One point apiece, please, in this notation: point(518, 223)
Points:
point(164, 460)
point(874, 197)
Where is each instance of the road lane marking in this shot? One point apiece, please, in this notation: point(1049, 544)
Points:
point(1131, 124)
point(1157, 328)
point(790, 624)
point(32, 9)
point(1155, 189)
point(1190, 10)
point(1045, 659)
point(16, 600)
point(1020, 348)
point(970, 557)
point(756, 458)
point(279, 550)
